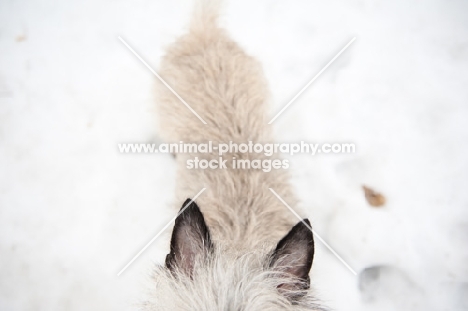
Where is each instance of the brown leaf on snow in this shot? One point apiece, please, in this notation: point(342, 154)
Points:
point(375, 199)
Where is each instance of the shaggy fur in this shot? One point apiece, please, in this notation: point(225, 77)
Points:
point(226, 252)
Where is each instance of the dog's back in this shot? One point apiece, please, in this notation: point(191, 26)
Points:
point(226, 88)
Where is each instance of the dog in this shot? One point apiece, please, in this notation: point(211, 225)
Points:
point(237, 248)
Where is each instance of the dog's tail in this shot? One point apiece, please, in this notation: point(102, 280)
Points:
point(205, 16)
point(218, 92)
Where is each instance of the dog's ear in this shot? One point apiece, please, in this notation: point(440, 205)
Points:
point(294, 255)
point(190, 239)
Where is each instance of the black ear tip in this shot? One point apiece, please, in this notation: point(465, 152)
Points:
point(189, 204)
point(303, 225)
point(190, 212)
point(304, 229)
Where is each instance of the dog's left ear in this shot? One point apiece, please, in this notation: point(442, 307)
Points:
point(190, 239)
point(294, 255)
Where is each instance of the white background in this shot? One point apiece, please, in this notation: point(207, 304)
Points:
point(73, 211)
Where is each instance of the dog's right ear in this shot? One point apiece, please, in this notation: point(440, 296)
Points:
point(190, 239)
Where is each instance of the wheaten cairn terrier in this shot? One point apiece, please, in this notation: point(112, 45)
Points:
point(237, 248)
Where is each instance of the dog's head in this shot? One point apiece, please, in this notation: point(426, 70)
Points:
point(200, 275)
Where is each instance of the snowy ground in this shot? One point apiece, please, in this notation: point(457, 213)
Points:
point(73, 211)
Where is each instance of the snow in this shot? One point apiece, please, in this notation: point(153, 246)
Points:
point(73, 211)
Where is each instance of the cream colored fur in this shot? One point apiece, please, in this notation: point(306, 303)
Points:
point(227, 89)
